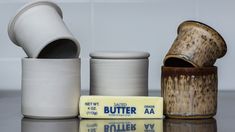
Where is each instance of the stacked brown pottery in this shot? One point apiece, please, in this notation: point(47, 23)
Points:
point(189, 79)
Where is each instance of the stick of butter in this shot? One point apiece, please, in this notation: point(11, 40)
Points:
point(121, 107)
point(128, 125)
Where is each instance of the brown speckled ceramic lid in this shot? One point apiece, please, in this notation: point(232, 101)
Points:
point(214, 33)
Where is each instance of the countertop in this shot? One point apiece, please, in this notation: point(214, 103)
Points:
point(11, 119)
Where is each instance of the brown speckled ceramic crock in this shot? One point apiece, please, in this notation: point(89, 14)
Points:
point(178, 125)
point(197, 45)
point(189, 92)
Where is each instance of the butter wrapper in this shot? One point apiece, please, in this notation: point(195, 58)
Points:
point(121, 107)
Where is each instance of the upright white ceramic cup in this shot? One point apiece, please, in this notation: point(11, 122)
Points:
point(50, 88)
point(39, 29)
point(35, 125)
point(119, 73)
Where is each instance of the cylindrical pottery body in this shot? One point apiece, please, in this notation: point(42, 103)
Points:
point(50, 87)
point(179, 125)
point(119, 73)
point(43, 125)
point(39, 29)
point(189, 92)
point(197, 45)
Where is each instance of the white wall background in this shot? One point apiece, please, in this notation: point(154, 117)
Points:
point(148, 25)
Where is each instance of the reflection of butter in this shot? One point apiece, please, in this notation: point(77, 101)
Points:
point(151, 125)
point(121, 107)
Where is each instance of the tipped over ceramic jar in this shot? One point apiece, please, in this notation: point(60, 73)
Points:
point(197, 45)
point(119, 73)
point(39, 29)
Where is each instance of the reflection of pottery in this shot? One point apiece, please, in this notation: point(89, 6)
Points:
point(50, 87)
point(34, 125)
point(39, 29)
point(121, 125)
point(119, 73)
point(189, 92)
point(196, 45)
point(177, 125)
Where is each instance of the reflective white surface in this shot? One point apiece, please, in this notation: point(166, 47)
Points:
point(34, 125)
point(11, 119)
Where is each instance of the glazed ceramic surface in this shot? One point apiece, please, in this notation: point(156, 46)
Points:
point(197, 45)
point(119, 73)
point(189, 92)
point(50, 88)
point(39, 29)
point(35, 125)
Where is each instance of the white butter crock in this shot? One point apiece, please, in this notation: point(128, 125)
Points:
point(50, 88)
point(39, 29)
point(119, 73)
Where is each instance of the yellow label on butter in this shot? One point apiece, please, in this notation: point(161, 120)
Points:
point(151, 125)
point(121, 107)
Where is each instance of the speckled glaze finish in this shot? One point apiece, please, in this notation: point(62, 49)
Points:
point(189, 92)
point(177, 125)
point(197, 45)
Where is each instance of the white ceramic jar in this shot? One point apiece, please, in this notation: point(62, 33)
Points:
point(39, 29)
point(50, 88)
point(119, 73)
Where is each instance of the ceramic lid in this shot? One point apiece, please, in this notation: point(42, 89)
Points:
point(119, 55)
point(220, 39)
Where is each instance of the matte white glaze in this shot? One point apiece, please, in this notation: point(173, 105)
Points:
point(119, 77)
point(50, 87)
point(39, 29)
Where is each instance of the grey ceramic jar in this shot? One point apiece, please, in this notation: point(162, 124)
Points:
point(119, 73)
point(197, 45)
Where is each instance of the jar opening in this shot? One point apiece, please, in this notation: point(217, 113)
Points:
point(62, 48)
point(177, 62)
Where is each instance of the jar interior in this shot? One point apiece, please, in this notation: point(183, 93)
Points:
point(62, 48)
point(177, 62)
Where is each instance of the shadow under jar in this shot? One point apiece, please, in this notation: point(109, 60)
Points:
point(189, 92)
